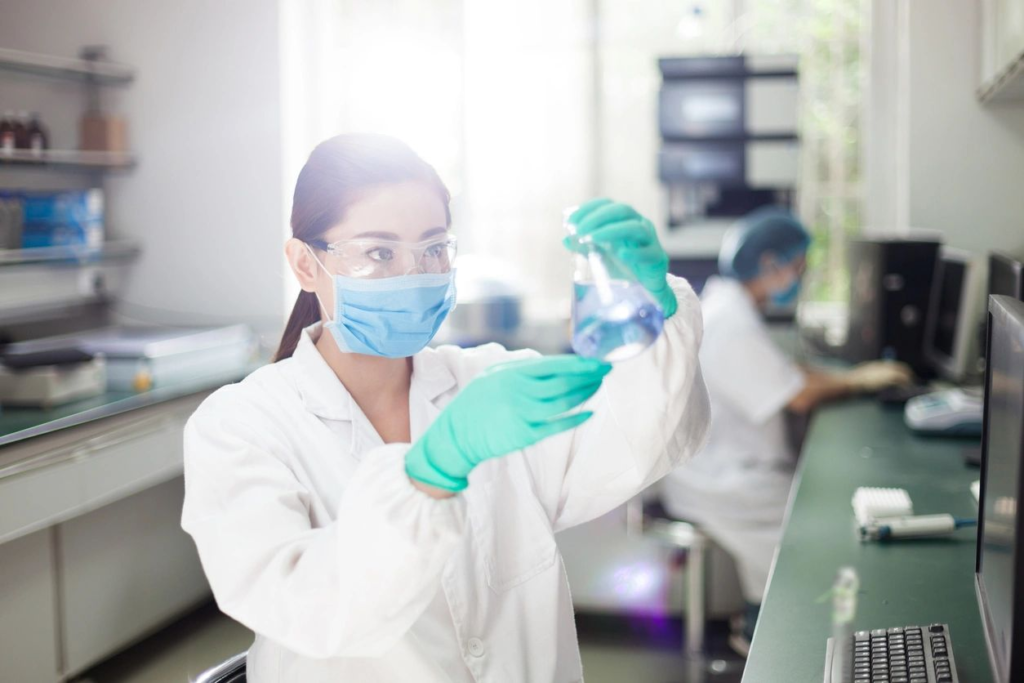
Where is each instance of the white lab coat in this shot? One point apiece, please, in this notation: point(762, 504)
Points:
point(312, 535)
point(736, 488)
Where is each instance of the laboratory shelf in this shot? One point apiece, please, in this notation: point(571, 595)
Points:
point(79, 255)
point(87, 70)
point(68, 158)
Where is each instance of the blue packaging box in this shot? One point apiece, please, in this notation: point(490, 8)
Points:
point(67, 218)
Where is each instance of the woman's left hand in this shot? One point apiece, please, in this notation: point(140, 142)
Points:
point(633, 239)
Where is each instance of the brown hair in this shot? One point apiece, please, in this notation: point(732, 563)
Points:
point(337, 174)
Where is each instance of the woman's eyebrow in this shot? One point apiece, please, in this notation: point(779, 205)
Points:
point(378, 234)
point(433, 231)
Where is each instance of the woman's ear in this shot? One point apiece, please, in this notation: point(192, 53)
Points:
point(302, 263)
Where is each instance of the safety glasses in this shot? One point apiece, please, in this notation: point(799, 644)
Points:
point(380, 258)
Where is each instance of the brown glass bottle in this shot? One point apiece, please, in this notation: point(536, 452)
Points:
point(21, 130)
point(38, 137)
point(7, 133)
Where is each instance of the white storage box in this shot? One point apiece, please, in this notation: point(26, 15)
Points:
point(52, 385)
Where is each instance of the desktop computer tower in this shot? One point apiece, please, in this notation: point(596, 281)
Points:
point(890, 290)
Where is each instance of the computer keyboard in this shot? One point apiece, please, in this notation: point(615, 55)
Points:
point(911, 654)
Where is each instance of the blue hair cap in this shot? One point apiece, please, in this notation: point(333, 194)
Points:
point(768, 230)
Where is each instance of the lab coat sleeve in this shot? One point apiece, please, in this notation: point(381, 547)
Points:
point(651, 413)
point(351, 588)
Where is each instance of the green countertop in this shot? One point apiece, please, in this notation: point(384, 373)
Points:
point(17, 424)
point(920, 582)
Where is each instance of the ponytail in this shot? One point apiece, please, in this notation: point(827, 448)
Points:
point(305, 312)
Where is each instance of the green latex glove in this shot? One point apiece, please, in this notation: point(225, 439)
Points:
point(508, 407)
point(633, 239)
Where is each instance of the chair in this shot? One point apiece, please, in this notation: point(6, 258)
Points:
point(230, 671)
point(650, 520)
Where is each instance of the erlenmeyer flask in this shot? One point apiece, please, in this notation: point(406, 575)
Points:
point(613, 316)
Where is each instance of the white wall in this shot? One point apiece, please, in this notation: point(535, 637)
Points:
point(204, 113)
point(528, 132)
point(884, 142)
point(962, 162)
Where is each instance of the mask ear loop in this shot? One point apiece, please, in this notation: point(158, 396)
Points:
point(323, 309)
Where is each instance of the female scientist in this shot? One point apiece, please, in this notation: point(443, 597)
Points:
point(376, 510)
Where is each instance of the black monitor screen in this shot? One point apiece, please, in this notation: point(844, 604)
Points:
point(1004, 408)
point(947, 311)
point(1005, 276)
point(695, 270)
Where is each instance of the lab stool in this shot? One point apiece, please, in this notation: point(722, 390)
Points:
point(230, 671)
point(650, 520)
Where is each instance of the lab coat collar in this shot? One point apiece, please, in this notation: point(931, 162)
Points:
point(325, 396)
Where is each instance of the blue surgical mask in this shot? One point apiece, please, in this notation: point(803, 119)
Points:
point(393, 317)
point(787, 297)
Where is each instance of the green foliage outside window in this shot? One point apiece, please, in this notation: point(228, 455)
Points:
point(829, 36)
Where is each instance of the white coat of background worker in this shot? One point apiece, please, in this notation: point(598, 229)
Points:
point(378, 510)
point(737, 487)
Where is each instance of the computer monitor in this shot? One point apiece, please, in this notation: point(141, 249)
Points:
point(1005, 276)
point(950, 341)
point(999, 569)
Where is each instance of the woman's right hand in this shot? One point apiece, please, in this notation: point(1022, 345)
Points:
point(508, 407)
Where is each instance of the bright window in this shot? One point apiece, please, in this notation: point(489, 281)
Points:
point(527, 107)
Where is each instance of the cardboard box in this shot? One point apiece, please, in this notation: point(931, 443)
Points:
point(103, 132)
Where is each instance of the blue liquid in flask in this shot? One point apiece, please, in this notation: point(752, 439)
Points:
point(615, 324)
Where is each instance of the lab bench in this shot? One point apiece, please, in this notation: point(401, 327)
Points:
point(863, 443)
point(92, 556)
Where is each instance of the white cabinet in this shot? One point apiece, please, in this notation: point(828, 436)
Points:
point(1009, 30)
point(127, 569)
point(1002, 51)
point(47, 479)
point(28, 628)
point(92, 556)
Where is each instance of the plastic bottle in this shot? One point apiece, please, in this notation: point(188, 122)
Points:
point(614, 317)
point(7, 143)
point(844, 610)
